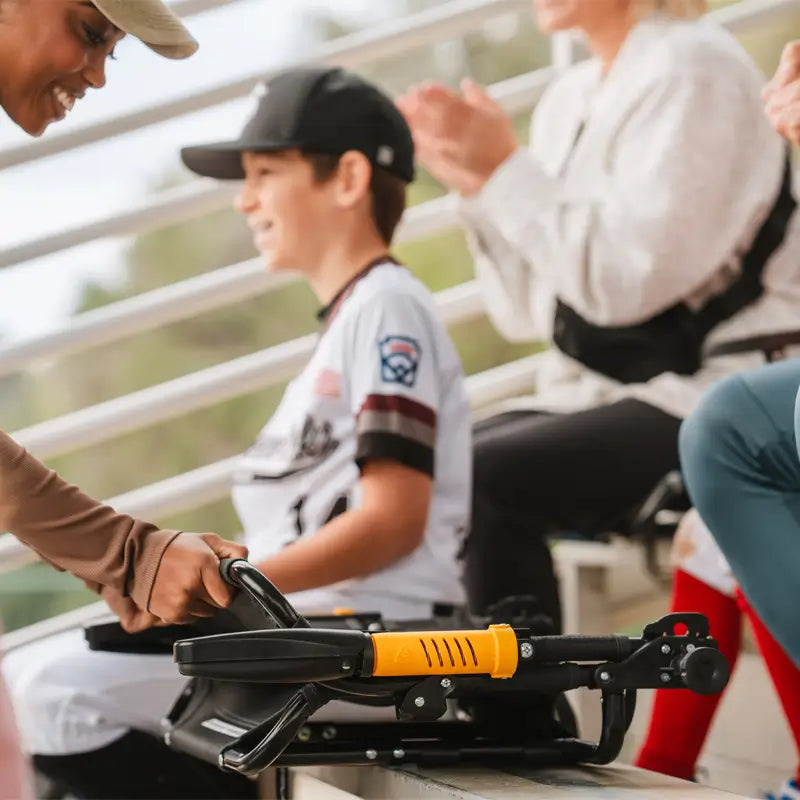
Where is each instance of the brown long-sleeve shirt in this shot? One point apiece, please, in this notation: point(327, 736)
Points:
point(74, 532)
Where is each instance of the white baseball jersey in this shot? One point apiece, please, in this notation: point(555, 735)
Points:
point(385, 381)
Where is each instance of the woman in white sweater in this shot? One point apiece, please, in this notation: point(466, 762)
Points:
point(651, 213)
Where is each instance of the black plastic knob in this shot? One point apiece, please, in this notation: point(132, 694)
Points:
point(705, 671)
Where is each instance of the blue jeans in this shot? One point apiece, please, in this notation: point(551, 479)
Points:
point(740, 463)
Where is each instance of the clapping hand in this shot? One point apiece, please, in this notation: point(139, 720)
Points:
point(782, 95)
point(461, 137)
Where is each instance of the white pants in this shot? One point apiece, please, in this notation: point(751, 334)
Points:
point(69, 699)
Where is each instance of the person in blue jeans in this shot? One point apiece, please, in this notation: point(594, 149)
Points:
point(740, 462)
point(739, 449)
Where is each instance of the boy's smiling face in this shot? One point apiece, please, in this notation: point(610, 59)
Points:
point(287, 209)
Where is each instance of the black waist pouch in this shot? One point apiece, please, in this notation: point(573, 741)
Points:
point(673, 340)
point(669, 342)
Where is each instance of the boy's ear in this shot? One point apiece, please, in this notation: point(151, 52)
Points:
point(353, 179)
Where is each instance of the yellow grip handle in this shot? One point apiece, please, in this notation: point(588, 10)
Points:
point(491, 652)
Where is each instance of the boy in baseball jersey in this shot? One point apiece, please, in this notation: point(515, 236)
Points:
point(356, 492)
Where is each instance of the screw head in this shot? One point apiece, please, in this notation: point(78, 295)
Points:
point(605, 676)
point(419, 702)
point(399, 753)
point(304, 734)
point(690, 648)
point(666, 649)
point(526, 649)
point(665, 677)
point(446, 683)
point(347, 666)
point(329, 732)
point(371, 754)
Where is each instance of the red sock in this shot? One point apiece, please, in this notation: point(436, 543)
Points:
point(785, 675)
point(681, 719)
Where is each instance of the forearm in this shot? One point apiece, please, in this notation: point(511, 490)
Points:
point(507, 279)
point(352, 545)
point(73, 531)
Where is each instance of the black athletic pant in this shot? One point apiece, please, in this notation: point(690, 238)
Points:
point(538, 474)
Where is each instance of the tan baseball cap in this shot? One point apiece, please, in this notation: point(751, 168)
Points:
point(152, 22)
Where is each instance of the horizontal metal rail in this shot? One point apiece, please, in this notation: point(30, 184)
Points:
point(380, 41)
point(146, 311)
point(211, 483)
point(191, 297)
point(172, 399)
point(746, 14)
point(70, 620)
point(203, 196)
point(172, 206)
point(168, 207)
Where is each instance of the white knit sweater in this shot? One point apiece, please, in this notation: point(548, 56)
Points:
point(672, 176)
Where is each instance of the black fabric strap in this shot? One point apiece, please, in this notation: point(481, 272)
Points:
point(748, 286)
point(672, 340)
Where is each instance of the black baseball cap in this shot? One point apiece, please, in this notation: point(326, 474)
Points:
point(318, 110)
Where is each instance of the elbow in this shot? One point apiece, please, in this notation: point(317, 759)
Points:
point(389, 540)
point(410, 537)
point(406, 535)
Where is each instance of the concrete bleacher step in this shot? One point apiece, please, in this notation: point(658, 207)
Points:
point(476, 783)
point(749, 752)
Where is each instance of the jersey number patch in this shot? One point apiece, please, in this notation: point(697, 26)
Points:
point(400, 357)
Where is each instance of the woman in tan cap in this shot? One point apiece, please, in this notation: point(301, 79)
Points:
point(51, 52)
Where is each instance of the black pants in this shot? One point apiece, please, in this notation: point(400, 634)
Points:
point(538, 474)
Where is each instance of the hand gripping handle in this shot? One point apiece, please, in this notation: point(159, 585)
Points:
point(245, 576)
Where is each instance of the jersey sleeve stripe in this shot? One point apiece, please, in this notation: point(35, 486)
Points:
point(397, 424)
point(400, 404)
point(375, 445)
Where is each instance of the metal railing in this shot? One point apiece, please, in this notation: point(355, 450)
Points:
point(381, 41)
point(210, 483)
point(236, 282)
point(201, 389)
point(199, 197)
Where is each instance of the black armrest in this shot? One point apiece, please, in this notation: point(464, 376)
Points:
point(772, 345)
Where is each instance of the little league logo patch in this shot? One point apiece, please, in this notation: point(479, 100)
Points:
point(400, 356)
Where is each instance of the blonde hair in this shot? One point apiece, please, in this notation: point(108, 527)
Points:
point(680, 9)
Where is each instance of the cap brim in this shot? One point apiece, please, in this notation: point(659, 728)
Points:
point(152, 22)
point(223, 160)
